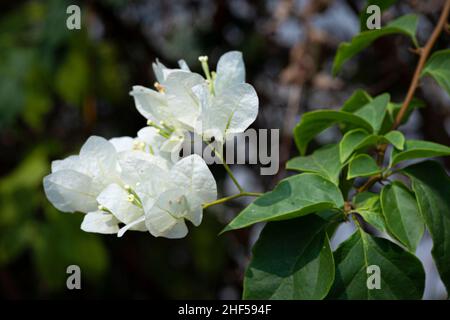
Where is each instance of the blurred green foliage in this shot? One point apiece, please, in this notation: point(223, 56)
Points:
point(57, 87)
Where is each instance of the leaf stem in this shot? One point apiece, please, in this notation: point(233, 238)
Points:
point(369, 183)
point(225, 199)
point(230, 173)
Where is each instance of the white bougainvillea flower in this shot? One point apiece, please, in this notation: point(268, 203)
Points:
point(164, 198)
point(173, 106)
point(191, 184)
point(121, 200)
point(230, 106)
point(174, 109)
point(218, 106)
point(135, 183)
point(76, 181)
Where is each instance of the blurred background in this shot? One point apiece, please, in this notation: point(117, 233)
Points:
point(59, 86)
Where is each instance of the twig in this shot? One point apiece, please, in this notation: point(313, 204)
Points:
point(423, 52)
point(225, 199)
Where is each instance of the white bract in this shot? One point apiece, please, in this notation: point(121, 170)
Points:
point(134, 183)
point(120, 182)
point(76, 181)
point(217, 106)
point(228, 104)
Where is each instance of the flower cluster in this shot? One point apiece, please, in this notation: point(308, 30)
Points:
point(133, 183)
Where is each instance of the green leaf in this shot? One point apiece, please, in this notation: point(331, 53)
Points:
point(367, 204)
point(362, 165)
point(394, 108)
point(358, 139)
point(293, 197)
point(315, 122)
point(291, 260)
point(431, 185)
point(350, 142)
point(415, 149)
point(404, 25)
point(374, 111)
point(402, 215)
point(396, 138)
point(438, 67)
point(324, 161)
point(382, 4)
point(358, 99)
point(402, 275)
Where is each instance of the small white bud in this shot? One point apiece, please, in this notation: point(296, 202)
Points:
point(203, 58)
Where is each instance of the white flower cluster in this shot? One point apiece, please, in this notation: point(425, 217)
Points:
point(132, 183)
point(218, 106)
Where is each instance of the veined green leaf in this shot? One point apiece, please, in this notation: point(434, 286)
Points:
point(431, 185)
point(362, 165)
point(315, 122)
point(415, 149)
point(401, 273)
point(374, 111)
point(323, 161)
point(438, 67)
point(368, 205)
point(404, 25)
point(291, 260)
point(293, 197)
point(402, 215)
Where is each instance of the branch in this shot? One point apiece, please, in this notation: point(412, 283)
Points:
point(424, 53)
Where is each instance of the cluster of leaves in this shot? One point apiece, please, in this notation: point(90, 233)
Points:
point(293, 259)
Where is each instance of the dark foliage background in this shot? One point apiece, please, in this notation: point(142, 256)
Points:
point(58, 87)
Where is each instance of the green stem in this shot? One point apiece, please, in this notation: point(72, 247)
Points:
point(227, 168)
point(222, 200)
point(230, 173)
